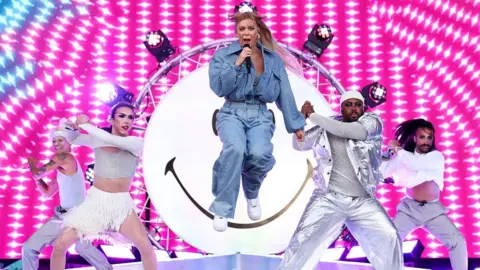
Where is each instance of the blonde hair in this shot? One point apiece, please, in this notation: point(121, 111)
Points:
point(267, 40)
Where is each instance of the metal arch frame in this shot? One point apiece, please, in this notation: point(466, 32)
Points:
point(177, 60)
point(225, 42)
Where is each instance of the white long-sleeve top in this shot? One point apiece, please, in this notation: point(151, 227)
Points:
point(412, 169)
point(119, 164)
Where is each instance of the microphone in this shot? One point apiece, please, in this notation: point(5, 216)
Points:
point(387, 154)
point(248, 61)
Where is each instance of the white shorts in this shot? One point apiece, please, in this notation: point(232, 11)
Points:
point(100, 215)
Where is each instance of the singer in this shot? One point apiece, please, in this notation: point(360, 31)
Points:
point(419, 167)
point(249, 74)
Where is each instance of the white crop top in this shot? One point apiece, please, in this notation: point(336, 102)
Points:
point(121, 164)
point(412, 169)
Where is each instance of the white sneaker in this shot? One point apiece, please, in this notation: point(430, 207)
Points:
point(254, 209)
point(220, 223)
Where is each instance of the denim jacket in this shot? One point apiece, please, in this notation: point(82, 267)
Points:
point(365, 156)
point(236, 84)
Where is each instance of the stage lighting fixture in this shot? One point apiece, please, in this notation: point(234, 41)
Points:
point(318, 40)
point(89, 173)
point(111, 94)
point(375, 94)
point(389, 180)
point(245, 7)
point(158, 45)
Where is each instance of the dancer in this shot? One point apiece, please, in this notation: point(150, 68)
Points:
point(347, 149)
point(108, 205)
point(416, 164)
point(70, 185)
point(249, 74)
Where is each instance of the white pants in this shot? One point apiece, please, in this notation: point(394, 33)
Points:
point(432, 216)
point(322, 222)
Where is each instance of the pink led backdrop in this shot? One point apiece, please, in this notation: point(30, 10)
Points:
point(52, 54)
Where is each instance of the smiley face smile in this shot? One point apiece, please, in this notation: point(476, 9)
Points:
point(170, 168)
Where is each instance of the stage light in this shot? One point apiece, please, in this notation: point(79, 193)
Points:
point(158, 45)
point(245, 7)
point(318, 40)
point(374, 94)
point(111, 94)
point(89, 173)
point(388, 180)
point(117, 252)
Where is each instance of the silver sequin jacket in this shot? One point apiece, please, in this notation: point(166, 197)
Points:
point(365, 156)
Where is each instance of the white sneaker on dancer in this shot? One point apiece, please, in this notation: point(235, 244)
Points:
point(254, 209)
point(220, 223)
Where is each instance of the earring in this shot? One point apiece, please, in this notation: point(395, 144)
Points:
point(258, 36)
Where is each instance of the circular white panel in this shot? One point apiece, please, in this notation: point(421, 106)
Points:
point(181, 128)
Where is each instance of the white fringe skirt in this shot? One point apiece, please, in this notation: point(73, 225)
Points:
point(100, 216)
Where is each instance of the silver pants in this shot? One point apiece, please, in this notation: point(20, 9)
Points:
point(46, 235)
point(433, 217)
point(322, 222)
